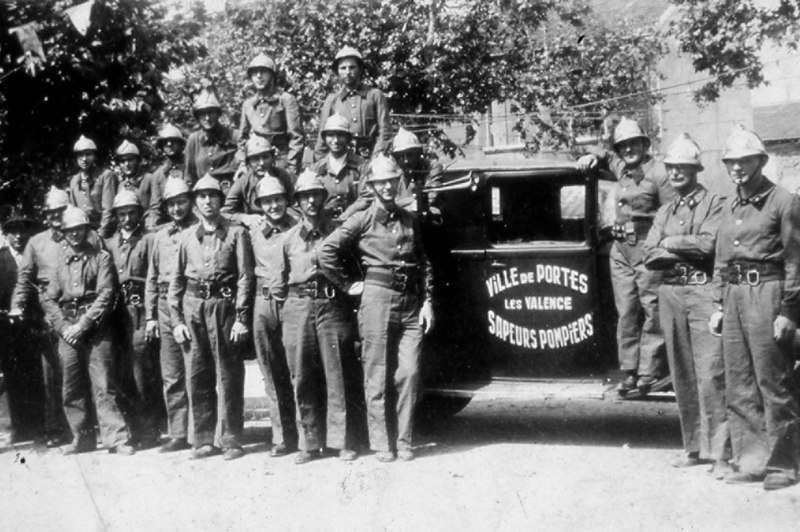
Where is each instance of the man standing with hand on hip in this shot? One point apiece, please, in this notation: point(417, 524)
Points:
point(396, 308)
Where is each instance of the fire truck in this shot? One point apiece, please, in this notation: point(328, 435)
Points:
point(524, 305)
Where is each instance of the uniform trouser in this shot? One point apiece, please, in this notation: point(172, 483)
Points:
point(173, 375)
point(55, 422)
point(274, 367)
point(762, 399)
point(639, 339)
point(215, 373)
point(143, 358)
point(89, 371)
point(697, 368)
point(318, 336)
point(392, 343)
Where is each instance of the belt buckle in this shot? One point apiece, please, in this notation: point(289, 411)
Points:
point(700, 277)
point(399, 281)
point(329, 291)
point(226, 292)
point(135, 300)
point(205, 289)
point(753, 277)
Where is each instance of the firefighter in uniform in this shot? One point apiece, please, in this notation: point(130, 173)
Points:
point(642, 187)
point(41, 256)
point(758, 256)
point(267, 238)
point(19, 359)
point(171, 142)
point(365, 108)
point(133, 179)
point(212, 149)
point(210, 296)
point(92, 188)
point(317, 332)
point(681, 244)
point(131, 247)
point(395, 310)
point(341, 169)
point(241, 202)
point(78, 300)
point(273, 114)
point(163, 261)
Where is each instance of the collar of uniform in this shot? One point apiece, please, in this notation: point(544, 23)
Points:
point(72, 255)
point(758, 198)
point(174, 162)
point(307, 230)
point(382, 215)
point(221, 231)
point(135, 235)
point(361, 90)
point(691, 200)
point(56, 236)
point(272, 97)
point(131, 182)
point(638, 173)
point(270, 228)
point(187, 222)
point(88, 178)
point(218, 135)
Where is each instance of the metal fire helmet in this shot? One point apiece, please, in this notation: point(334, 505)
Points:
point(175, 187)
point(382, 168)
point(309, 181)
point(208, 183)
point(269, 186)
point(336, 123)
point(169, 132)
point(55, 199)
point(261, 61)
point(743, 143)
point(628, 129)
point(685, 151)
point(405, 141)
point(348, 51)
point(127, 148)
point(257, 145)
point(84, 144)
point(126, 198)
point(204, 101)
point(74, 217)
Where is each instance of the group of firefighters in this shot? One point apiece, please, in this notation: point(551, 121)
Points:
point(156, 286)
point(708, 294)
point(151, 289)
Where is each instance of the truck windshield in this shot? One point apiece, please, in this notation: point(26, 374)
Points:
point(541, 209)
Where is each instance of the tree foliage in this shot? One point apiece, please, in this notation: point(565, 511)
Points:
point(724, 38)
point(105, 84)
point(437, 61)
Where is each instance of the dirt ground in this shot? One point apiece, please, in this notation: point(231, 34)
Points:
point(498, 465)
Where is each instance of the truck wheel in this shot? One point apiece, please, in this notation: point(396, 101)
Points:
point(437, 407)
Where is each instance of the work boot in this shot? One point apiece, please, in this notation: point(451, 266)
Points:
point(405, 455)
point(385, 456)
point(123, 449)
point(690, 460)
point(204, 451)
point(232, 453)
point(742, 477)
point(627, 385)
point(347, 455)
point(779, 480)
point(721, 469)
point(304, 457)
point(173, 445)
point(281, 450)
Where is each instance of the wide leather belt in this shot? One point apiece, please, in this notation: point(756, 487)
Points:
point(72, 308)
point(209, 289)
point(406, 279)
point(632, 231)
point(319, 288)
point(685, 274)
point(262, 288)
point(133, 292)
point(751, 272)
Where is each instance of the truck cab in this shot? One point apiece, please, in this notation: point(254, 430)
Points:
point(524, 306)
